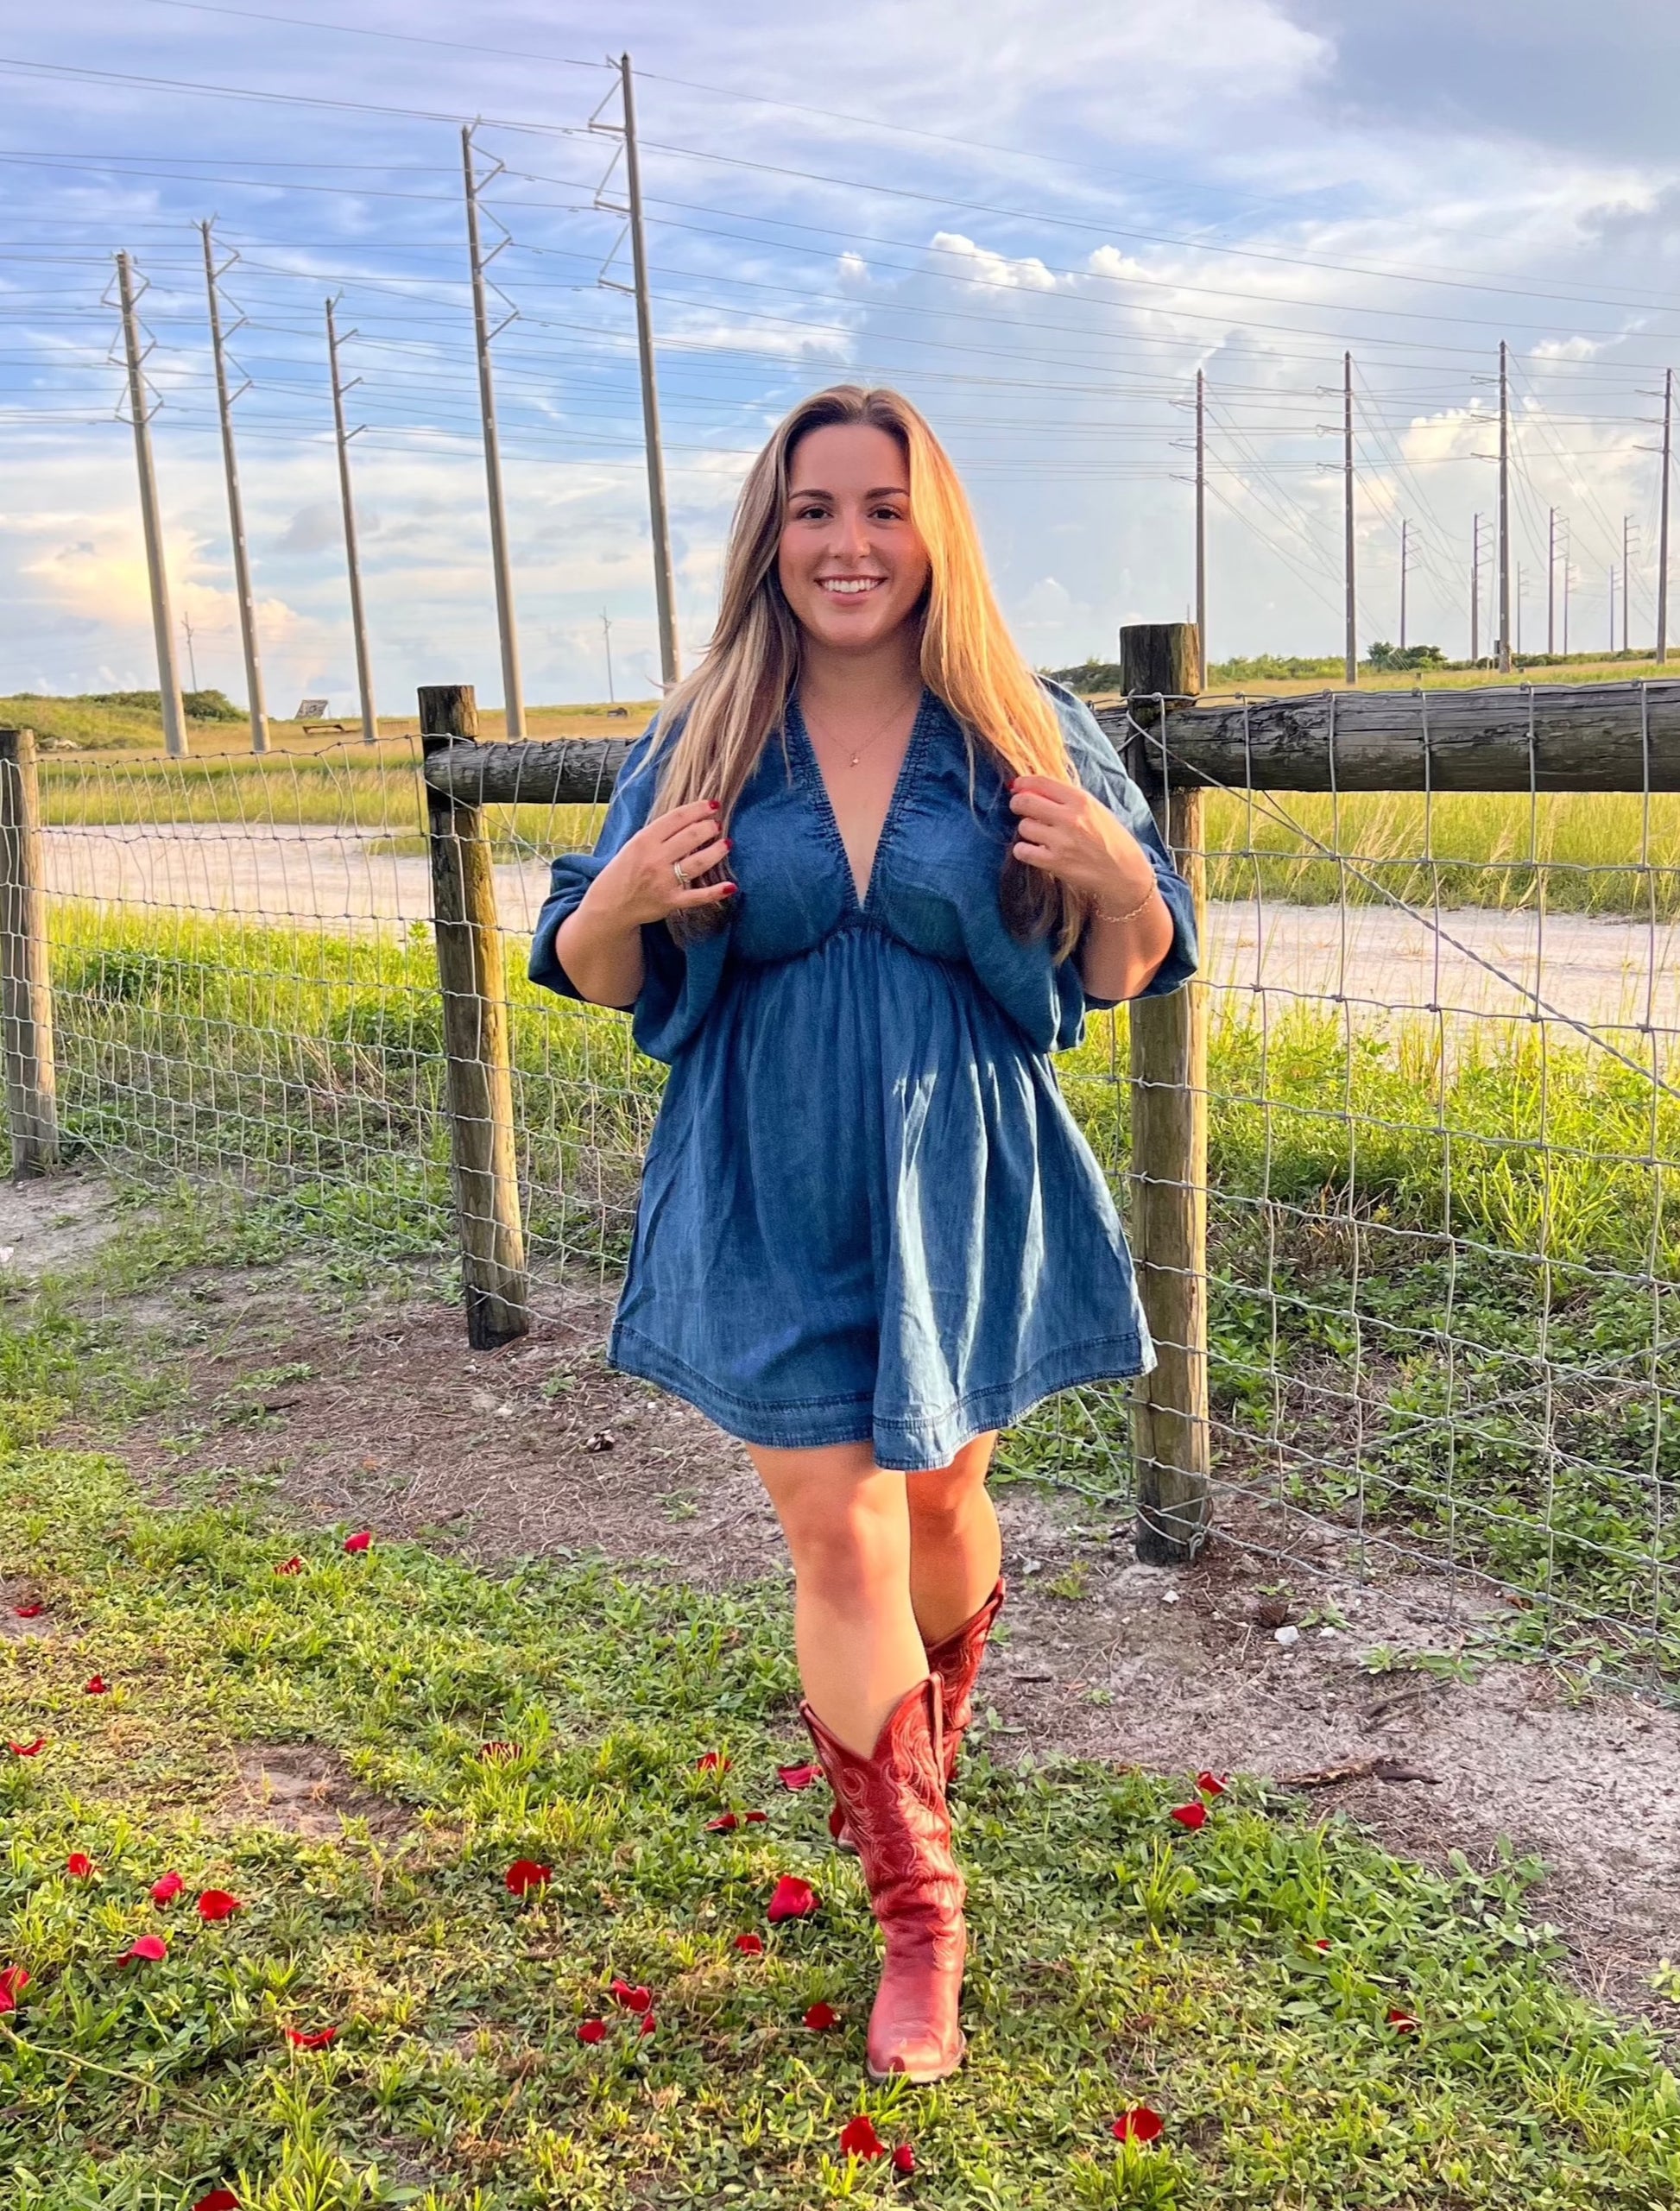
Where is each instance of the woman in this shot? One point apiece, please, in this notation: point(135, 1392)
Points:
point(862, 876)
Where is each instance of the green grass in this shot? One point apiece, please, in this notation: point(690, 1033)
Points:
point(1116, 1959)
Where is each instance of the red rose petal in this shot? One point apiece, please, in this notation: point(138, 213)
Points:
point(29, 1612)
point(27, 1750)
point(750, 1946)
point(220, 2199)
point(1138, 2125)
point(821, 2017)
point(166, 1890)
point(358, 1542)
point(526, 1874)
point(711, 1761)
point(97, 1687)
point(1402, 2022)
point(794, 1899)
point(904, 2158)
point(725, 1823)
point(79, 1865)
point(145, 1949)
point(799, 1776)
point(1323, 1943)
point(1212, 1784)
point(13, 1980)
point(292, 1565)
point(633, 1999)
point(591, 2030)
point(753, 1819)
point(858, 2139)
point(1191, 1816)
point(216, 1904)
point(648, 2024)
point(318, 2040)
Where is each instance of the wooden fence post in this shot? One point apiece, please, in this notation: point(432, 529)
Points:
point(480, 1093)
point(25, 990)
point(1161, 662)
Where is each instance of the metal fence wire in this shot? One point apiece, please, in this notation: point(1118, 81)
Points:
point(1443, 1261)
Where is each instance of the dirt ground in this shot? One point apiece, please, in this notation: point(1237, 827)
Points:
point(380, 1414)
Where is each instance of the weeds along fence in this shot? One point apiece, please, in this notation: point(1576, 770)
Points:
point(1399, 1168)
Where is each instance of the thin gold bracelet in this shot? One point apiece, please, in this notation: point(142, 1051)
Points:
point(1131, 913)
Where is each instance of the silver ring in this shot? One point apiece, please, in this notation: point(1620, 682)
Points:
point(677, 870)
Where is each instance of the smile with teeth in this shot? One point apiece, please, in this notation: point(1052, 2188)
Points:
point(851, 586)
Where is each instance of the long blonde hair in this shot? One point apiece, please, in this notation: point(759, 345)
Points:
point(725, 712)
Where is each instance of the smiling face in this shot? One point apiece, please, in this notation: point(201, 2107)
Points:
point(851, 562)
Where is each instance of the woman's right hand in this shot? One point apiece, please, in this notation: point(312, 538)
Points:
point(639, 884)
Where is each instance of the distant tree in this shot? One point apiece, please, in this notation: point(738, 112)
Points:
point(1396, 660)
point(198, 706)
point(1089, 678)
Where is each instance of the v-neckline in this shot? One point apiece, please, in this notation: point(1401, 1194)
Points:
point(859, 900)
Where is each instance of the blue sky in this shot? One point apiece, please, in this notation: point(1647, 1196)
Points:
point(1038, 221)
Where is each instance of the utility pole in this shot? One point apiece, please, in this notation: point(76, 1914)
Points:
point(163, 626)
point(1352, 648)
point(1626, 522)
point(1202, 518)
point(1403, 568)
point(1519, 610)
point(1476, 588)
point(1551, 589)
point(352, 558)
point(192, 657)
point(1505, 509)
point(1662, 524)
point(664, 580)
point(1567, 563)
point(513, 703)
point(606, 633)
point(1612, 606)
point(242, 567)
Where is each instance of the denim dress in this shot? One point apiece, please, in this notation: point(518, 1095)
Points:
point(867, 1214)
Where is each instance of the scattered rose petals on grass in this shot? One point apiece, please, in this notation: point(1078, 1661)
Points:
point(858, 2139)
point(799, 1776)
point(1191, 1816)
point(725, 1823)
point(591, 2030)
point(526, 1874)
point(361, 1541)
point(292, 1565)
point(904, 2158)
point(215, 1905)
point(13, 1980)
point(97, 1687)
point(220, 2199)
point(821, 2017)
point(1138, 2125)
point(1402, 2022)
point(750, 1946)
point(711, 1761)
point(793, 1899)
point(648, 2024)
point(166, 1890)
point(145, 1949)
point(753, 1819)
point(27, 1750)
point(1323, 1943)
point(633, 1999)
point(29, 1612)
point(79, 1865)
point(1213, 1784)
point(317, 2040)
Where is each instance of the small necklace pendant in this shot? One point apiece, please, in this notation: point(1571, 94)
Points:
point(853, 762)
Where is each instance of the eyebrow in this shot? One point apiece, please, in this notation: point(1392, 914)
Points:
point(880, 491)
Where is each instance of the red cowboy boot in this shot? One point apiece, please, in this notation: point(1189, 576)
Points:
point(957, 1662)
point(894, 1803)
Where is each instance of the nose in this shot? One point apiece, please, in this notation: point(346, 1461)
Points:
point(850, 540)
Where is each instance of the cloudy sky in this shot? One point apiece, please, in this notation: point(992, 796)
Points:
point(1039, 222)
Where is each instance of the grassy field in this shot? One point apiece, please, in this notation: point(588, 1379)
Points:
point(1445, 1296)
point(381, 2022)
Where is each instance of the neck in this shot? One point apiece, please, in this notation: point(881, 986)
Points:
point(834, 686)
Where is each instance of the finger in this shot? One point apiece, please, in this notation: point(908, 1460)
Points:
point(1034, 856)
point(1037, 805)
point(708, 894)
point(1042, 787)
point(691, 838)
point(705, 856)
point(681, 819)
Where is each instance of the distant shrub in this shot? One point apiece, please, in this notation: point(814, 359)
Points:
point(1396, 659)
point(1091, 676)
point(198, 706)
point(1272, 667)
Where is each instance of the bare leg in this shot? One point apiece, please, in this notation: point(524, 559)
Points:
point(847, 1528)
point(956, 1548)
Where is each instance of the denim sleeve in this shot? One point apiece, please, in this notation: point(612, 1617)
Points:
point(677, 985)
point(1099, 769)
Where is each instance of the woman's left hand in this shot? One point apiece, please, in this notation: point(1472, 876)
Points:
point(1061, 829)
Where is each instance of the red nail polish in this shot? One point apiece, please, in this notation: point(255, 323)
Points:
point(730, 889)
point(717, 805)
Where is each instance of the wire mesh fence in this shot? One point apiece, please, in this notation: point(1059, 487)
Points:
point(1442, 1254)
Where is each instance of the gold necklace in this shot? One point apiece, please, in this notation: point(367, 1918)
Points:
point(895, 716)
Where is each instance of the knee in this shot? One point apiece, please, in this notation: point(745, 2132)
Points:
point(844, 1556)
point(940, 1505)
